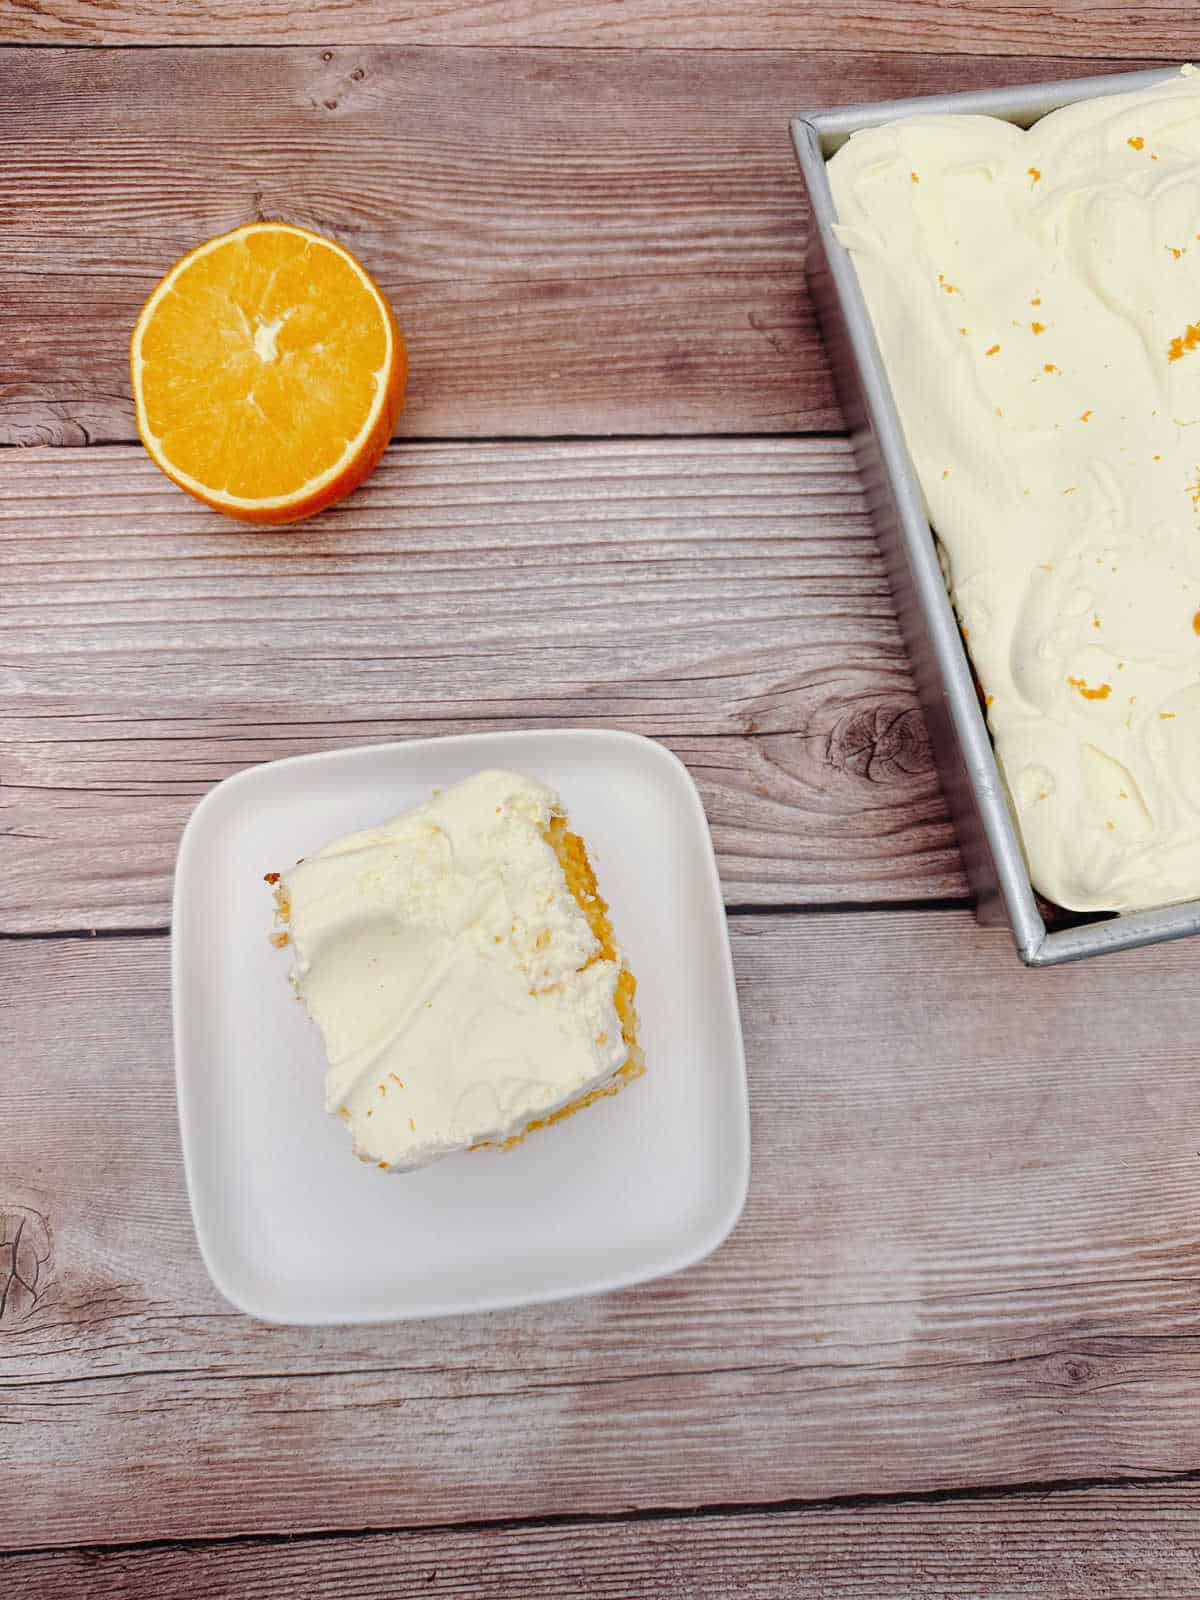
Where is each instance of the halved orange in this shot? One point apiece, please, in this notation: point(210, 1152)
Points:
point(268, 373)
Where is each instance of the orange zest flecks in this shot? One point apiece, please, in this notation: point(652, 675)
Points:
point(1136, 143)
point(1038, 327)
point(950, 288)
point(966, 633)
point(1196, 623)
point(1036, 301)
point(962, 330)
point(1175, 253)
point(1193, 490)
point(1187, 340)
point(1166, 716)
point(989, 699)
point(1084, 415)
point(914, 177)
point(1110, 824)
point(1050, 367)
point(1156, 458)
point(395, 1079)
point(283, 911)
point(1034, 174)
point(1071, 490)
point(995, 350)
point(1101, 693)
point(945, 472)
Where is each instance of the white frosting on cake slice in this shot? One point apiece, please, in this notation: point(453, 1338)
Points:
point(453, 975)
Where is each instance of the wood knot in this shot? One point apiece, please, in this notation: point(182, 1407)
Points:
point(1073, 1373)
point(25, 1251)
point(880, 743)
point(359, 74)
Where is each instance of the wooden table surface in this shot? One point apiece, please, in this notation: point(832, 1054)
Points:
point(952, 1348)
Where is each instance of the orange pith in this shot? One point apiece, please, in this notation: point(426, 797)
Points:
point(268, 373)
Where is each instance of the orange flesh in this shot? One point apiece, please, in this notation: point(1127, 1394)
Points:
point(260, 367)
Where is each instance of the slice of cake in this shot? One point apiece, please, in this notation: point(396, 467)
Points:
point(462, 969)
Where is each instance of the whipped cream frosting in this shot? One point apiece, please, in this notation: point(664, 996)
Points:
point(452, 974)
point(1036, 296)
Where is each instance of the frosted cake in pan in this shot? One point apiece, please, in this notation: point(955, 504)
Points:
point(1036, 296)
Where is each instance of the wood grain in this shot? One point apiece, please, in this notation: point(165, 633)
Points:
point(971, 1255)
point(576, 242)
point(1074, 1545)
point(1083, 28)
point(725, 597)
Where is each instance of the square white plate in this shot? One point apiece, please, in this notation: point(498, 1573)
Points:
point(291, 1226)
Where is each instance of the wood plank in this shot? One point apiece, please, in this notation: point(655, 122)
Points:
point(971, 1255)
point(577, 242)
point(726, 597)
point(1075, 1544)
point(1086, 28)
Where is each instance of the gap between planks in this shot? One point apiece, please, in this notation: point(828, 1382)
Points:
point(840, 908)
point(986, 1495)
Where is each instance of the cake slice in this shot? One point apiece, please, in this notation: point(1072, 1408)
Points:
point(462, 969)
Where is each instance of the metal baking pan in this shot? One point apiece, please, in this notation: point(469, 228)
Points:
point(976, 791)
